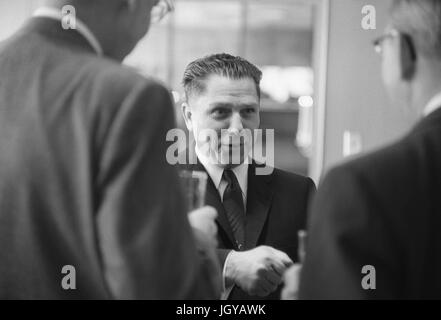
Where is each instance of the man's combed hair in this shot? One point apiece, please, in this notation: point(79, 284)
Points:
point(218, 64)
point(421, 20)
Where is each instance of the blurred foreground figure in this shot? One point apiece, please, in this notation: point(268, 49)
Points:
point(83, 178)
point(384, 210)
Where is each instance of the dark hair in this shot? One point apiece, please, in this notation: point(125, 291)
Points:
point(219, 64)
point(421, 21)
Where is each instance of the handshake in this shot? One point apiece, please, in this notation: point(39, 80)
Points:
point(258, 272)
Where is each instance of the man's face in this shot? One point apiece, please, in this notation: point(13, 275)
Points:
point(228, 107)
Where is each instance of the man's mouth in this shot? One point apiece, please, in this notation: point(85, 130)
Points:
point(233, 145)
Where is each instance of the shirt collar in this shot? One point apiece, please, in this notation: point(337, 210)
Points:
point(215, 172)
point(81, 27)
point(434, 104)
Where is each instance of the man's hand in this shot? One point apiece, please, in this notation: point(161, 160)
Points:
point(291, 279)
point(204, 221)
point(258, 271)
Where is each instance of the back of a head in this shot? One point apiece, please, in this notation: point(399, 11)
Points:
point(91, 12)
point(222, 64)
point(118, 25)
point(76, 2)
point(421, 20)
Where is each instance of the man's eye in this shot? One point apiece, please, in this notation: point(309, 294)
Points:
point(220, 112)
point(249, 110)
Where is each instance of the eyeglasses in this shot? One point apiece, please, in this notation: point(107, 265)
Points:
point(161, 9)
point(378, 43)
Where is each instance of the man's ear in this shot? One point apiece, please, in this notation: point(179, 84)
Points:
point(187, 114)
point(408, 57)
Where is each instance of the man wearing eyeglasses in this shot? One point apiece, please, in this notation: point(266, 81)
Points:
point(89, 208)
point(375, 224)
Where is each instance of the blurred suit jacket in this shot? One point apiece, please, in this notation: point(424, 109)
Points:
point(276, 209)
point(83, 177)
point(382, 210)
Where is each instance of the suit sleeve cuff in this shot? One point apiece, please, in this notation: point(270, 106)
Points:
point(226, 290)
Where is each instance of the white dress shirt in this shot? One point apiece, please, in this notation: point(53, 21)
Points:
point(434, 104)
point(215, 172)
point(81, 27)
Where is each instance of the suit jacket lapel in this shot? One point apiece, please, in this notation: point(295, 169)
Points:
point(259, 201)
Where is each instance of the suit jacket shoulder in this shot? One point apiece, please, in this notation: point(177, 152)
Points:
point(379, 210)
point(284, 178)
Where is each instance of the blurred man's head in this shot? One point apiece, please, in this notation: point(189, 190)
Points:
point(222, 95)
point(118, 24)
point(411, 49)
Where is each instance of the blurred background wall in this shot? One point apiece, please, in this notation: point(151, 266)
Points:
point(356, 100)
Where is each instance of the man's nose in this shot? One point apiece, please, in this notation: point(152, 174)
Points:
point(236, 125)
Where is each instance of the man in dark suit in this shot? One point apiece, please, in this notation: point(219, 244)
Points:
point(89, 207)
point(259, 211)
point(374, 228)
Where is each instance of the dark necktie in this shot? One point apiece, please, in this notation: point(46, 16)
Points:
point(234, 208)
